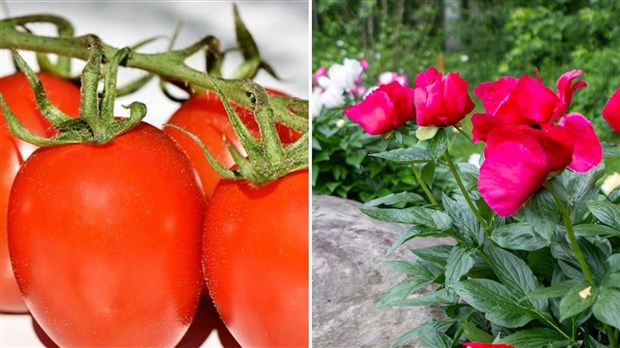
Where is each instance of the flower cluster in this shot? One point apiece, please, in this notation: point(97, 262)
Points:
point(525, 142)
point(528, 133)
point(334, 83)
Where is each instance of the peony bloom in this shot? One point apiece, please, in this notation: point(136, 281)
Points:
point(486, 345)
point(524, 142)
point(611, 111)
point(440, 100)
point(527, 100)
point(387, 107)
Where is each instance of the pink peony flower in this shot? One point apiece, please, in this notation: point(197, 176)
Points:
point(611, 111)
point(524, 144)
point(527, 100)
point(387, 107)
point(441, 100)
point(486, 345)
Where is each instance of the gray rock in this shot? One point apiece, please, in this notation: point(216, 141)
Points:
point(349, 277)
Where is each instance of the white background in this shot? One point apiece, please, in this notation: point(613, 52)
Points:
point(280, 28)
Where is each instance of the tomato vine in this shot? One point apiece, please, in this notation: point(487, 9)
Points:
point(267, 157)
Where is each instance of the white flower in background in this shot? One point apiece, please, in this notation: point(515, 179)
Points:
point(610, 183)
point(332, 97)
point(340, 78)
point(343, 75)
point(464, 58)
point(390, 76)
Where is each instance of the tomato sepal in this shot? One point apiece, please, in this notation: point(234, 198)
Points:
point(97, 124)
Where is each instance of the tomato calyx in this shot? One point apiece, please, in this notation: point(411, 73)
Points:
point(96, 124)
point(267, 158)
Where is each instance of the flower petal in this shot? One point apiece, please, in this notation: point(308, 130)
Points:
point(457, 101)
point(483, 124)
point(374, 113)
point(427, 77)
point(511, 173)
point(611, 111)
point(566, 90)
point(588, 151)
point(493, 94)
point(536, 101)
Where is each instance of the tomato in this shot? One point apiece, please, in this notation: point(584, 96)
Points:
point(255, 259)
point(105, 240)
point(205, 116)
point(20, 98)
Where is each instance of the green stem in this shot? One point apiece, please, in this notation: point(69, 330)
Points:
point(425, 188)
point(611, 333)
point(169, 66)
point(568, 223)
point(459, 182)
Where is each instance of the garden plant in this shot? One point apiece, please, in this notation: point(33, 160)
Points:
point(536, 242)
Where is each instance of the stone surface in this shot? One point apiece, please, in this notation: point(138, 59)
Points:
point(349, 277)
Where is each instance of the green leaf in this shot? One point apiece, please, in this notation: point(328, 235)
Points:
point(393, 198)
point(536, 338)
point(590, 342)
point(607, 307)
point(499, 305)
point(412, 232)
point(577, 300)
point(459, 263)
point(430, 298)
point(418, 268)
point(475, 334)
point(439, 144)
point(514, 273)
point(542, 213)
point(415, 216)
point(406, 156)
point(606, 212)
point(595, 230)
point(436, 324)
point(464, 221)
point(402, 290)
point(613, 263)
point(556, 290)
point(518, 236)
point(436, 253)
point(433, 338)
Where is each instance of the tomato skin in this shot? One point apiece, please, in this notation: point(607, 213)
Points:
point(105, 240)
point(204, 115)
point(20, 98)
point(255, 251)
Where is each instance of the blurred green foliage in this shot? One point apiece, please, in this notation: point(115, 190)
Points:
point(482, 40)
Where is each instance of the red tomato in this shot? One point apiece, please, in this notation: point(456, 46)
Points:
point(255, 260)
point(105, 240)
point(20, 98)
point(205, 116)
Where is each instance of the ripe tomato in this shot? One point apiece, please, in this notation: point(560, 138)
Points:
point(205, 116)
point(105, 240)
point(20, 98)
point(255, 259)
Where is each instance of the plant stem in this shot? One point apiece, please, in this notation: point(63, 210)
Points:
point(611, 333)
point(568, 223)
point(425, 188)
point(459, 182)
point(168, 65)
